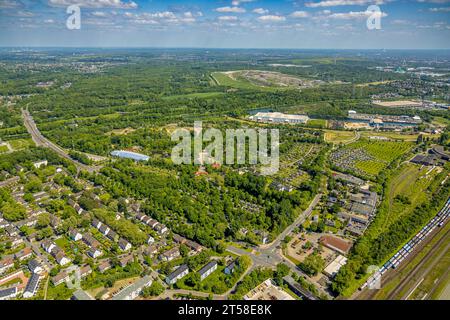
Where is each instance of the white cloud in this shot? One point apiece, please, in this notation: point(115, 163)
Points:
point(9, 4)
point(96, 3)
point(100, 14)
point(238, 2)
point(299, 14)
point(271, 18)
point(260, 11)
point(230, 9)
point(335, 3)
point(49, 21)
point(443, 9)
point(434, 1)
point(356, 15)
point(228, 18)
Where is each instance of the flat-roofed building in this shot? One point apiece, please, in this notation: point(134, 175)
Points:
point(333, 268)
point(177, 274)
point(208, 269)
point(132, 291)
point(278, 117)
point(32, 286)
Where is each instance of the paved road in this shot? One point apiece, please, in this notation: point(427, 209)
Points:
point(41, 141)
point(270, 255)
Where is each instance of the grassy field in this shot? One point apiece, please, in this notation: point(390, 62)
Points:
point(3, 149)
point(240, 83)
point(411, 182)
point(19, 144)
point(337, 137)
point(317, 123)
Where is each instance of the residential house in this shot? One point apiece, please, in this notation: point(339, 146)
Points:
point(178, 274)
point(193, 246)
point(61, 258)
point(32, 286)
point(6, 264)
point(229, 269)
point(94, 252)
point(39, 164)
point(207, 269)
point(90, 241)
point(9, 293)
point(75, 235)
point(124, 261)
point(151, 250)
point(178, 239)
point(96, 223)
point(104, 266)
point(104, 229)
point(131, 292)
point(48, 245)
point(60, 278)
point(85, 271)
point(150, 240)
point(35, 267)
point(113, 236)
point(124, 245)
point(24, 254)
point(171, 254)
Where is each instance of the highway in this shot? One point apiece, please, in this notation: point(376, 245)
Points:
point(41, 141)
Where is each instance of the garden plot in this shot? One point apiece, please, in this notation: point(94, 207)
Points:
point(368, 158)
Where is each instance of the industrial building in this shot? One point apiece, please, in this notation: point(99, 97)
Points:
point(278, 117)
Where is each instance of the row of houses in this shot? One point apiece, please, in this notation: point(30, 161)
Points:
point(56, 252)
point(152, 223)
point(183, 270)
point(64, 275)
point(124, 245)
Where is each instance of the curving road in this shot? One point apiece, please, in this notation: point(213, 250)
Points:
point(270, 255)
point(42, 141)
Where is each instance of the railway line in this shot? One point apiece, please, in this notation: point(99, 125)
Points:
point(392, 268)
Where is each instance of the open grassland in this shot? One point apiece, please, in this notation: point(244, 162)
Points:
point(317, 123)
point(3, 149)
point(337, 137)
point(405, 191)
point(19, 144)
point(225, 80)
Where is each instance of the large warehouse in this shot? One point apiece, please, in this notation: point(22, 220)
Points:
point(279, 117)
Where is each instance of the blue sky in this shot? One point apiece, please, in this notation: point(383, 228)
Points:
point(341, 24)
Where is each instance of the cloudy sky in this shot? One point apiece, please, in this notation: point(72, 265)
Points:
point(405, 24)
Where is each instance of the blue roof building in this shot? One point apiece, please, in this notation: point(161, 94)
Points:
point(130, 155)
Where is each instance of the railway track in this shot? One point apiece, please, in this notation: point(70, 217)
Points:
point(432, 254)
